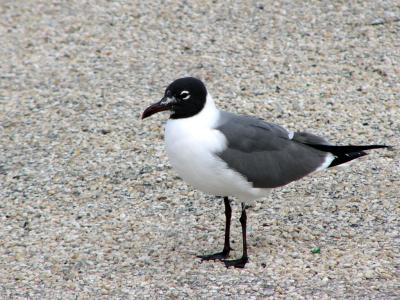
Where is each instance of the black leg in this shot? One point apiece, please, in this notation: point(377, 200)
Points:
point(227, 248)
point(241, 262)
point(228, 217)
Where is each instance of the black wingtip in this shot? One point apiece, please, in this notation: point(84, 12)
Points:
point(341, 150)
point(346, 158)
point(347, 153)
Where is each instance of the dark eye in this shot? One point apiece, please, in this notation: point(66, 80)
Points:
point(184, 95)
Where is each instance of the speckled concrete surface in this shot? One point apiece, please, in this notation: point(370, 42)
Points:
point(90, 207)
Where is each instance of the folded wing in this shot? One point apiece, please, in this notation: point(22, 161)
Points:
point(265, 154)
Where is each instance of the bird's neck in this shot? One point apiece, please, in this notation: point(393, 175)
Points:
point(206, 118)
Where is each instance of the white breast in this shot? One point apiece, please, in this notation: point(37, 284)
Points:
point(192, 145)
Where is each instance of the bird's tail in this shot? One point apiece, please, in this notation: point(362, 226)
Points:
point(345, 154)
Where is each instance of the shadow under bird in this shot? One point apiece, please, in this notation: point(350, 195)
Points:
point(239, 156)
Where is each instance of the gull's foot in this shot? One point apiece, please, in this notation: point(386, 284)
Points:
point(237, 263)
point(216, 256)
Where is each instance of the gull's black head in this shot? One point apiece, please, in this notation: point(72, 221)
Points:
point(185, 97)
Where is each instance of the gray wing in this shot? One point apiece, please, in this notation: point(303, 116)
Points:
point(309, 138)
point(264, 153)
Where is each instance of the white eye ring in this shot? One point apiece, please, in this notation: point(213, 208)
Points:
point(185, 94)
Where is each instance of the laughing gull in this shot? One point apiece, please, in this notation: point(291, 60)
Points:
point(230, 155)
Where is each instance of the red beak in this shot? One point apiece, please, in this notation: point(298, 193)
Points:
point(156, 107)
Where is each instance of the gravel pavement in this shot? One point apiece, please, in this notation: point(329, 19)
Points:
point(89, 205)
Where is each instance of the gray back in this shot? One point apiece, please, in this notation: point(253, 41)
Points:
point(264, 154)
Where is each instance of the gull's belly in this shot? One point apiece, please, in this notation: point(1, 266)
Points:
point(196, 164)
point(193, 154)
